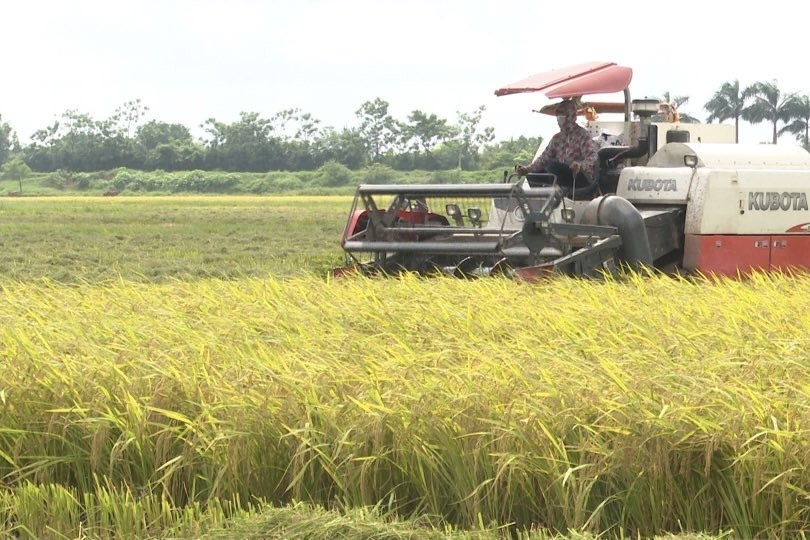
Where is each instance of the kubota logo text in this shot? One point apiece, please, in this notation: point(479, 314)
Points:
point(652, 184)
point(771, 200)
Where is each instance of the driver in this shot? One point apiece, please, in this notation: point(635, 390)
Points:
point(570, 153)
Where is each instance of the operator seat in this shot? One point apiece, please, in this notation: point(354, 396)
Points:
point(607, 174)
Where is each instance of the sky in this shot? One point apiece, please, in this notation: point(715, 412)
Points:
point(190, 60)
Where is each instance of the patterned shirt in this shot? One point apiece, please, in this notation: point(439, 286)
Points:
point(572, 143)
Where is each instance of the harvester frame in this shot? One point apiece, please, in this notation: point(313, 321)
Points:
point(663, 202)
point(406, 235)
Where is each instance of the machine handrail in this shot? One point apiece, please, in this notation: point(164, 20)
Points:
point(449, 190)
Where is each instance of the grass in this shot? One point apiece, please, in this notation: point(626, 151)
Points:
point(317, 182)
point(154, 239)
point(629, 408)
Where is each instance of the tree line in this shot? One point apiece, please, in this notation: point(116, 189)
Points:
point(288, 140)
point(294, 140)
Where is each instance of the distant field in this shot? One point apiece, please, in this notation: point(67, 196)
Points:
point(149, 239)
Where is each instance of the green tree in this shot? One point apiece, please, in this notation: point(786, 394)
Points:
point(174, 156)
point(169, 147)
point(727, 103)
point(308, 128)
point(508, 153)
point(798, 111)
point(423, 131)
point(280, 120)
point(345, 146)
point(470, 139)
point(46, 136)
point(768, 103)
point(299, 134)
point(16, 169)
point(443, 156)
point(294, 124)
point(39, 154)
point(5, 140)
point(245, 145)
point(154, 133)
point(251, 128)
point(126, 118)
point(378, 129)
point(78, 142)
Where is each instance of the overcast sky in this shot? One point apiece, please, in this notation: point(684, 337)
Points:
point(189, 60)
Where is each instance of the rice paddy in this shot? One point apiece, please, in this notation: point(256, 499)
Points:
point(287, 405)
point(153, 239)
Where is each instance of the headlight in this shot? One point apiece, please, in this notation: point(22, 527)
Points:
point(475, 215)
point(454, 212)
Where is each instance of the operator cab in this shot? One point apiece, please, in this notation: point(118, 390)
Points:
point(626, 143)
point(628, 132)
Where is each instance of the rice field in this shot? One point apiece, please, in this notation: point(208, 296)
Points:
point(154, 239)
point(284, 405)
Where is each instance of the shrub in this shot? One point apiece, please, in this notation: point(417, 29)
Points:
point(287, 182)
point(258, 185)
point(83, 181)
point(193, 181)
point(333, 174)
point(54, 180)
point(446, 177)
point(379, 174)
point(123, 178)
point(220, 183)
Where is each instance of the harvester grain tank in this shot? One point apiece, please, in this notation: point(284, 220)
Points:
point(676, 197)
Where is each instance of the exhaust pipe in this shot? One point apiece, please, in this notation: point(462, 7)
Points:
point(620, 213)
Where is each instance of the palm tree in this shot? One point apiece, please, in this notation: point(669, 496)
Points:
point(799, 123)
point(676, 102)
point(768, 104)
point(727, 103)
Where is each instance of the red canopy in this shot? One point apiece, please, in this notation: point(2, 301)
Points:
point(578, 80)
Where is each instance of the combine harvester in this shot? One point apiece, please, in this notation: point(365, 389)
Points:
point(678, 197)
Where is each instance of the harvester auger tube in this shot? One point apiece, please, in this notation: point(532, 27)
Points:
point(620, 213)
